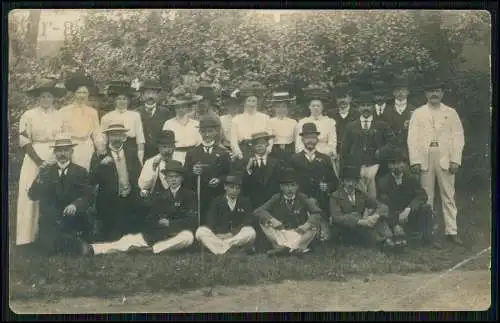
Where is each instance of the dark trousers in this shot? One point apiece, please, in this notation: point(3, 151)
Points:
point(420, 220)
point(362, 235)
point(283, 153)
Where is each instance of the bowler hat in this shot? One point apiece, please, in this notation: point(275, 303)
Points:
point(252, 88)
point(233, 179)
point(165, 137)
point(281, 97)
point(63, 141)
point(46, 85)
point(392, 154)
point(116, 127)
point(432, 85)
point(261, 135)
point(182, 97)
point(79, 79)
point(309, 128)
point(208, 122)
point(316, 92)
point(365, 97)
point(173, 166)
point(150, 85)
point(206, 90)
point(350, 172)
point(400, 82)
point(115, 88)
point(341, 90)
point(288, 176)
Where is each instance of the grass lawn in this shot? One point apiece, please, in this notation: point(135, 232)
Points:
point(125, 274)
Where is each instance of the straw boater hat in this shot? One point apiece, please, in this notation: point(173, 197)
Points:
point(251, 88)
point(309, 128)
point(165, 137)
point(261, 135)
point(116, 88)
point(316, 92)
point(46, 85)
point(173, 166)
point(281, 97)
point(117, 127)
point(288, 176)
point(79, 79)
point(63, 141)
point(350, 172)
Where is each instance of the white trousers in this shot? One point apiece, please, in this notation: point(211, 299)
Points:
point(182, 240)
point(288, 238)
point(219, 245)
point(367, 180)
point(446, 184)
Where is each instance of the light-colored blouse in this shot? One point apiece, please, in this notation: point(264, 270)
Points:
point(283, 130)
point(186, 134)
point(39, 125)
point(80, 122)
point(244, 125)
point(130, 119)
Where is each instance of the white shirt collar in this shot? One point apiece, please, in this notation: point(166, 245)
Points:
point(380, 105)
point(63, 166)
point(343, 113)
point(289, 198)
point(116, 152)
point(398, 178)
point(369, 119)
point(263, 157)
point(174, 190)
point(208, 144)
point(310, 154)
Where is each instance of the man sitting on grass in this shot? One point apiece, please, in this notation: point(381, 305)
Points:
point(64, 192)
point(406, 199)
point(229, 221)
point(354, 214)
point(170, 221)
point(289, 219)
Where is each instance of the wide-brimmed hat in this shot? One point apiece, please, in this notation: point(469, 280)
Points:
point(316, 92)
point(79, 79)
point(63, 141)
point(281, 96)
point(252, 88)
point(208, 122)
point(46, 85)
point(288, 176)
point(309, 128)
point(207, 91)
point(261, 135)
point(165, 137)
point(116, 126)
point(350, 172)
point(433, 84)
point(150, 85)
point(365, 97)
point(115, 88)
point(182, 97)
point(341, 89)
point(233, 179)
point(400, 82)
point(173, 166)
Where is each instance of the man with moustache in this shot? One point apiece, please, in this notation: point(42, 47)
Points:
point(345, 112)
point(64, 192)
point(380, 97)
point(435, 145)
point(153, 115)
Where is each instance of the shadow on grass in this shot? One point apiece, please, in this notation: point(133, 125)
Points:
point(122, 274)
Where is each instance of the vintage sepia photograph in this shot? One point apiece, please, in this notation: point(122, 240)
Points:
point(217, 160)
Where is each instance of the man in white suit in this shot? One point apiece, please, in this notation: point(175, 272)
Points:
point(435, 144)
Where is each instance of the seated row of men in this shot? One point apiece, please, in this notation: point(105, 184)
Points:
point(231, 208)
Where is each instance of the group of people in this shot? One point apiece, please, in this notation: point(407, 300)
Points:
point(160, 178)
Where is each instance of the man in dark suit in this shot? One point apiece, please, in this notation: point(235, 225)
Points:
point(115, 174)
point(354, 214)
point(64, 192)
point(153, 116)
point(169, 223)
point(209, 161)
point(345, 112)
point(229, 220)
point(314, 170)
point(362, 142)
point(380, 99)
point(406, 199)
point(262, 173)
point(399, 113)
point(289, 219)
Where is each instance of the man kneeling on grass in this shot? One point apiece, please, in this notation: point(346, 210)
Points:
point(354, 214)
point(170, 219)
point(289, 219)
point(229, 221)
point(406, 199)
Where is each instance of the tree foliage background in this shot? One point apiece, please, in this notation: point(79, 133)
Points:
point(225, 47)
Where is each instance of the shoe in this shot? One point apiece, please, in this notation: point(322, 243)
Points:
point(86, 249)
point(280, 251)
point(455, 239)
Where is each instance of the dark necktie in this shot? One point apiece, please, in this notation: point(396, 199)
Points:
point(261, 162)
point(289, 203)
point(207, 149)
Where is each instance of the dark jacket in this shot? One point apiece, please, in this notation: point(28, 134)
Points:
point(152, 125)
point(399, 123)
point(179, 210)
point(341, 124)
point(344, 213)
point(216, 165)
point(304, 209)
point(384, 116)
point(310, 174)
point(409, 194)
point(361, 147)
point(220, 218)
point(263, 183)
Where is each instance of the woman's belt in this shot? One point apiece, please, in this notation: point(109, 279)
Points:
point(183, 149)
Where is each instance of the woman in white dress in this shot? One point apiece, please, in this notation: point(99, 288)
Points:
point(80, 121)
point(327, 144)
point(250, 122)
point(122, 93)
point(38, 129)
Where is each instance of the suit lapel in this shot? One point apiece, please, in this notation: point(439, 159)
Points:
point(269, 169)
